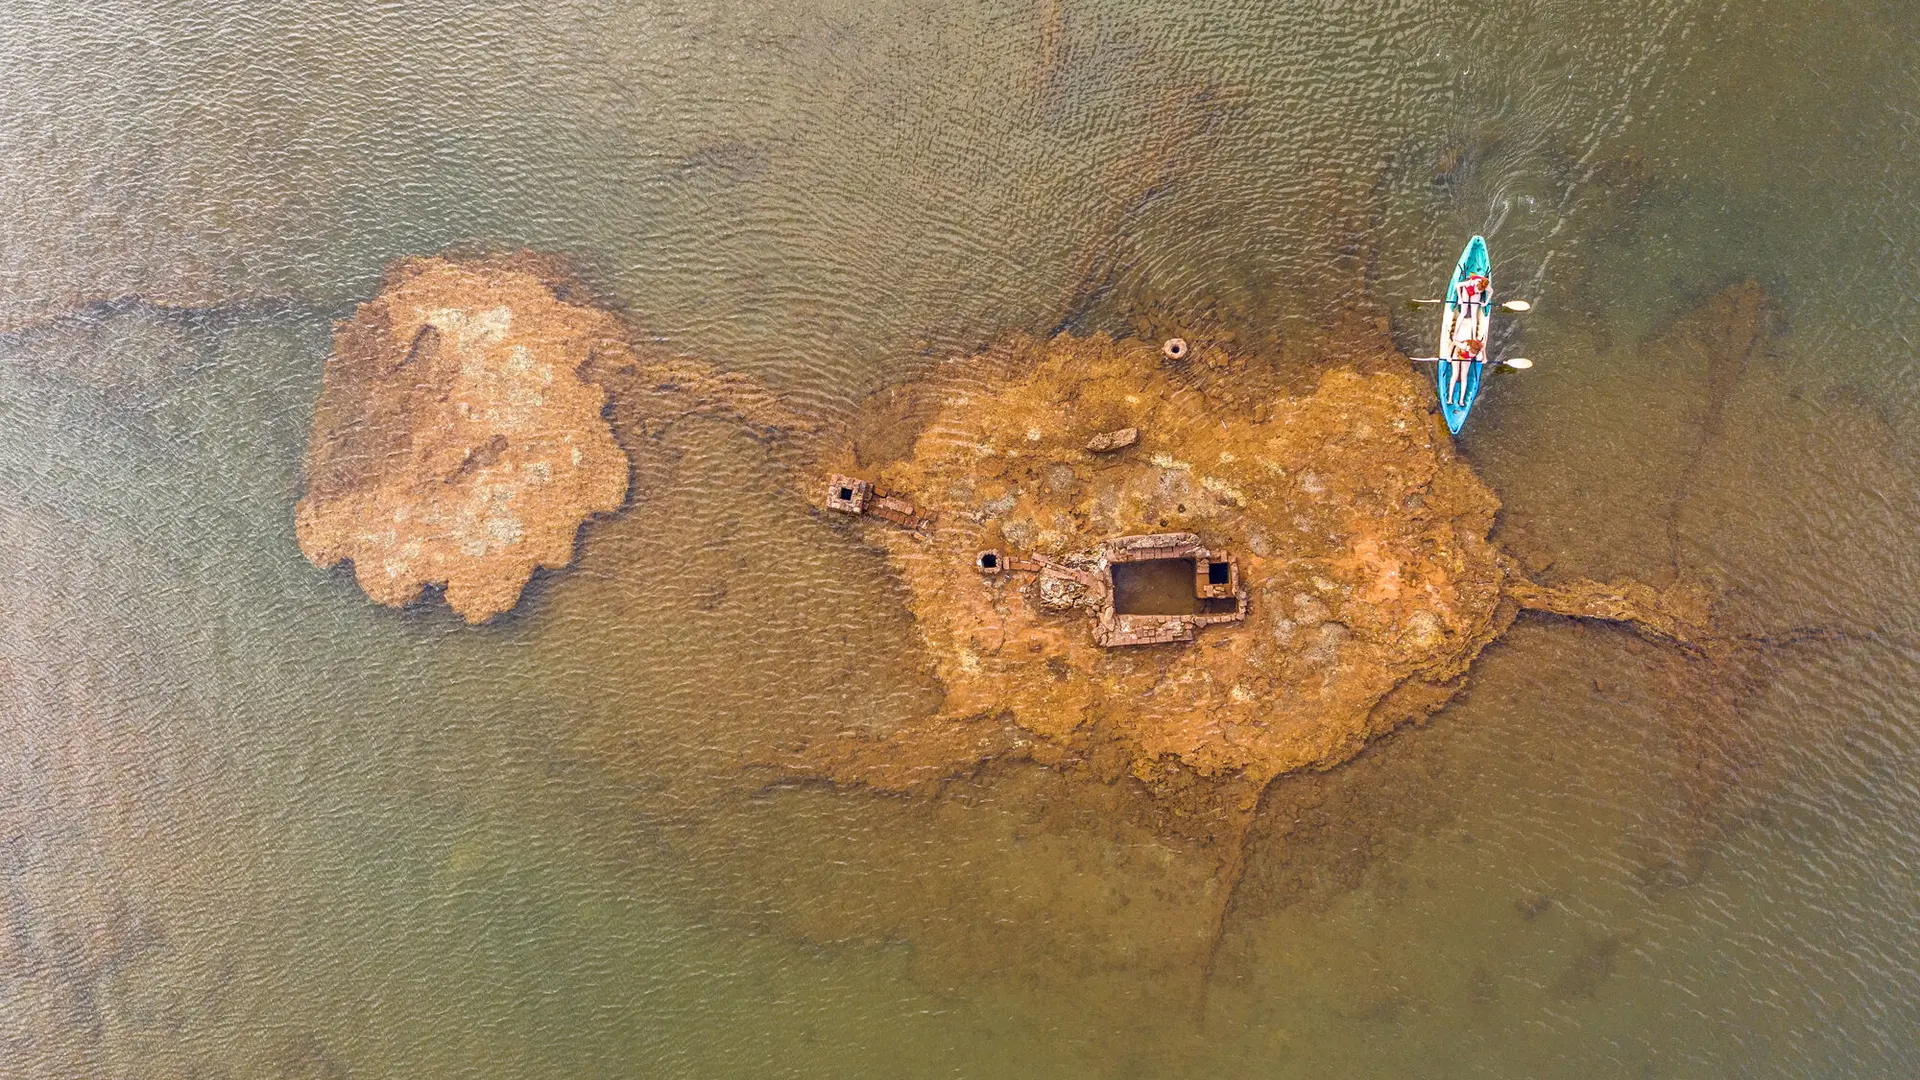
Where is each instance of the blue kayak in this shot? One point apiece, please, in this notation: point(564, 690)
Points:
point(1463, 334)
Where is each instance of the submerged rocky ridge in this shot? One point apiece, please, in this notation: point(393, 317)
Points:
point(1360, 545)
point(464, 430)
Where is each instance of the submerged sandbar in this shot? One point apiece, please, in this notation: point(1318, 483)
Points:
point(455, 442)
point(475, 413)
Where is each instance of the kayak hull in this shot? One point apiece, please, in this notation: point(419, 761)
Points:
point(1459, 382)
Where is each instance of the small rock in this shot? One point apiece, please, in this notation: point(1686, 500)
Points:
point(1113, 440)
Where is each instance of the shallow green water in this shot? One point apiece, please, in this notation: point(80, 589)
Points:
point(251, 825)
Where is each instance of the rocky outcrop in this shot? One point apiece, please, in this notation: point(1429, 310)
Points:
point(455, 442)
point(476, 412)
point(1362, 542)
point(1362, 558)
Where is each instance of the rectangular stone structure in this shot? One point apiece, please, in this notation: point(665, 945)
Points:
point(848, 494)
point(1111, 629)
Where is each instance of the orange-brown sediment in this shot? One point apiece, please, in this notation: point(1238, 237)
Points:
point(454, 442)
point(460, 438)
point(1362, 539)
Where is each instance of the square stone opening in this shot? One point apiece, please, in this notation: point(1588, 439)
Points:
point(848, 494)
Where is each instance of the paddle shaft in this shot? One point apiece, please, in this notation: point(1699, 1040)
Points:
point(1515, 306)
point(1518, 363)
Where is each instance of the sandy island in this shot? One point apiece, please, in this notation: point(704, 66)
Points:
point(1357, 579)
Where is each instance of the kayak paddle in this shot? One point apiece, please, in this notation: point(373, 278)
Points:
point(1518, 307)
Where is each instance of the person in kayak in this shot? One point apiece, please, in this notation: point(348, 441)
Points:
point(1473, 289)
point(1464, 353)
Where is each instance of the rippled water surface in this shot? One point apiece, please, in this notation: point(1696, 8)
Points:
point(252, 825)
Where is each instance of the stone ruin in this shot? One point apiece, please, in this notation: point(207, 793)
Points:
point(1091, 582)
point(851, 495)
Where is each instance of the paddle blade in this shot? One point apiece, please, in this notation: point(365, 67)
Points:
point(1423, 303)
point(1518, 363)
point(1517, 306)
point(1422, 359)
